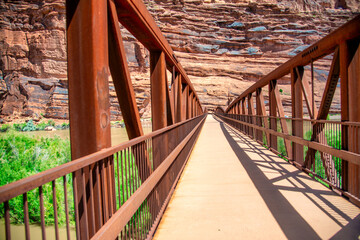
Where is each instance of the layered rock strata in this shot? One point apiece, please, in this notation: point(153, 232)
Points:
point(225, 46)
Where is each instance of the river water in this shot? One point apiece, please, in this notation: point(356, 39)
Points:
point(18, 231)
point(118, 135)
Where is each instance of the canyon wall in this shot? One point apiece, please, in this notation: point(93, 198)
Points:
point(225, 46)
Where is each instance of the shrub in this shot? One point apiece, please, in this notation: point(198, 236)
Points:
point(30, 126)
point(51, 123)
point(19, 126)
point(4, 127)
point(65, 125)
point(41, 126)
point(23, 156)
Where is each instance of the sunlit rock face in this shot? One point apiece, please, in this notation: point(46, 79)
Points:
point(225, 46)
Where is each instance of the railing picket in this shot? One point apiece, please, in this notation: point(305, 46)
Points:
point(55, 210)
point(99, 207)
point(118, 200)
point(42, 213)
point(26, 216)
point(66, 208)
point(92, 205)
point(76, 208)
point(145, 215)
point(85, 230)
point(7, 220)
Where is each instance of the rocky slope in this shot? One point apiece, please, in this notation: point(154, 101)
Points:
point(223, 45)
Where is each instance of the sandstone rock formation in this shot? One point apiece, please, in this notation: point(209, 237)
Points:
point(224, 45)
point(227, 45)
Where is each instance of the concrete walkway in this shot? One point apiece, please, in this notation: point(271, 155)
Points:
point(233, 188)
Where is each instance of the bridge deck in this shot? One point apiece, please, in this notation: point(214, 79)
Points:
point(233, 188)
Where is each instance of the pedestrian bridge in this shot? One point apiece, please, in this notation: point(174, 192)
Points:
point(234, 188)
point(246, 172)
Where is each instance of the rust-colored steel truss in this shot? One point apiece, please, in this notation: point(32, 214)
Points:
point(340, 162)
point(118, 191)
point(96, 51)
point(122, 191)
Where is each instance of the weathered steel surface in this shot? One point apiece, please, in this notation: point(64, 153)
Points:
point(135, 17)
point(354, 116)
point(178, 98)
point(260, 111)
point(121, 76)
point(283, 124)
point(121, 152)
point(272, 113)
point(89, 103)
point(114, 226)
point(344, 42)
point(158, 90)
point(297, 112)
point(250, 194)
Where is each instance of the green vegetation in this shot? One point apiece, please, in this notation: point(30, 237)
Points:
point(129, 182)
point(43, 125)
point(22, 156)
point(31, 126)
point(333, 139)
point(4, 127)
point(118, 123)
point(281, 146)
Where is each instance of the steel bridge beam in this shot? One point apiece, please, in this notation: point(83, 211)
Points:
point(89, 104)
point(134, 16)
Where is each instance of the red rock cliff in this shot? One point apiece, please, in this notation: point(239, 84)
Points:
point(224, 46)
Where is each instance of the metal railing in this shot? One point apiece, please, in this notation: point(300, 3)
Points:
point(326, 166)
point(108, 192)
point(136, 196)
point(329, 150)
point(95, 46)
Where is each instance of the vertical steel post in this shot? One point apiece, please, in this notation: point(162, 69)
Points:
point(186, 102)
point(190, 105)
point(243, 107)
point(89, 103)
point(158, 90)
point(354, 116)
point(344, 94)
point(259, 133)
point(178, 97)
point(251, 113)
point(297, 112)
point(158, 110)
point(184, 94)
point(272, 113)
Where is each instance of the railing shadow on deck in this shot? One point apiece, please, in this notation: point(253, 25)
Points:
point(290, 221)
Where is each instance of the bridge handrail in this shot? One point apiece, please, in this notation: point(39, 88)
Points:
point(263, 124)
point(353, 124)
point(346, 155)
point(112, 228)
point(21, 186)
point(245, 125)
point(127, 153)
